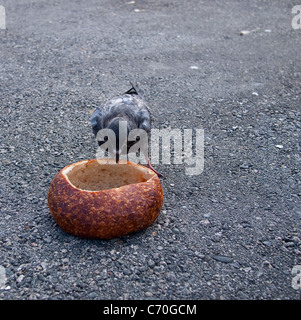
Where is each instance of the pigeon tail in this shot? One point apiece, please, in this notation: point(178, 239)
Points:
point(132, 90)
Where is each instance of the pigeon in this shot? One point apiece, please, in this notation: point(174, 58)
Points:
point(129, 108)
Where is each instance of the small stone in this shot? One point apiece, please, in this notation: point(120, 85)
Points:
point(267, 243)
point(44, 266)
point(170, 276)
point(244, 32)
point(279, 146)
point(207, 215)
point(92, 295)
point(235, 264)
point(244, 166)
point(194, 67)
point(222, 259)
point(127, 272)
point(126, 296)
point(259, 274)
point(151, 263)
point(148, 294)
point(199, 255)
point(289, 244)
point(20, 278)
point(266, 264)
point(205, 222)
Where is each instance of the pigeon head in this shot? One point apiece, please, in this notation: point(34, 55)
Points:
point(121, 129)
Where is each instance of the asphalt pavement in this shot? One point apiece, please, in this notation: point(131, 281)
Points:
point(231, 68)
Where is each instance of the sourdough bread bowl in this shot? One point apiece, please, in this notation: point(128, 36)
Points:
point(101, 199)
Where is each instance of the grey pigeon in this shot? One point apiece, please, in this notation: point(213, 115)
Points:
point(129, 107)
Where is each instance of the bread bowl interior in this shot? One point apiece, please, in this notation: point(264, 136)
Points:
point(102, 175)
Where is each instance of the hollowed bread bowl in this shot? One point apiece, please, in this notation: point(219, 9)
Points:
point(101, 199)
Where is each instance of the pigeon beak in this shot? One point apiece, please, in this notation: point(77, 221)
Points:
point(117, 156)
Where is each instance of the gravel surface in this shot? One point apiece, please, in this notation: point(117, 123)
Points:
point(232, 232)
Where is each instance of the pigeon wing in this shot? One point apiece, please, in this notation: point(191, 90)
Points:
point(96, 120)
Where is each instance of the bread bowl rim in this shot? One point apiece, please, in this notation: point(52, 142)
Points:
point(110, 161)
